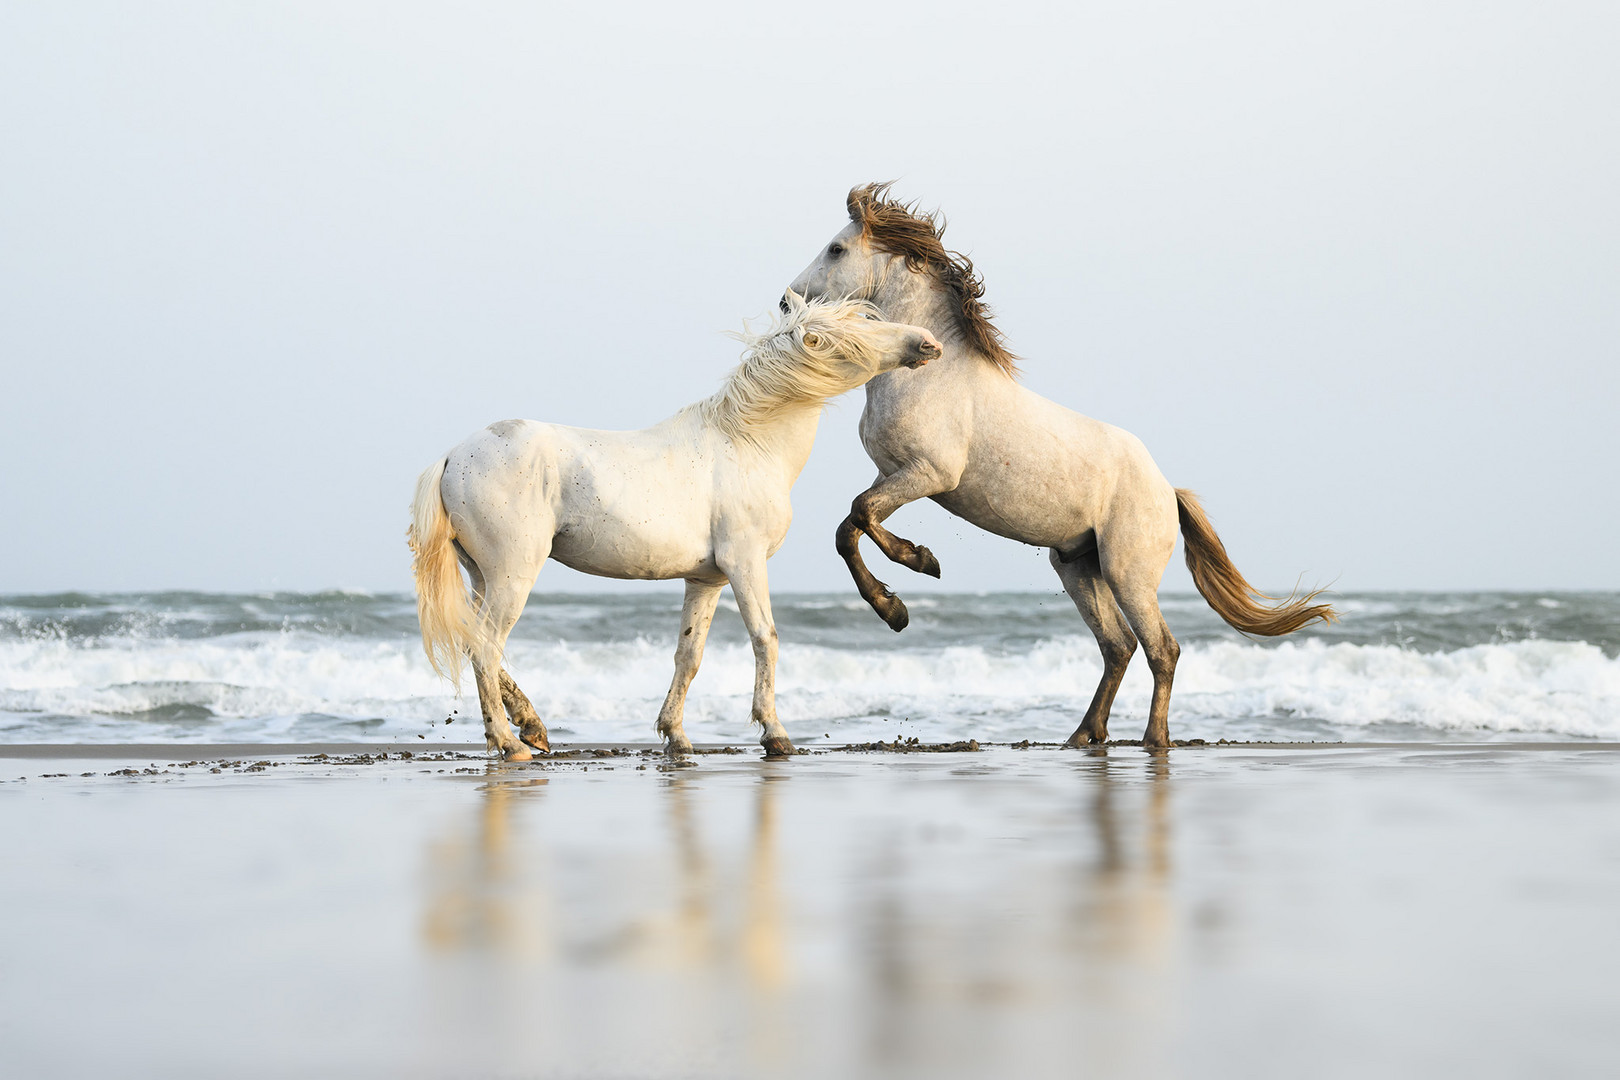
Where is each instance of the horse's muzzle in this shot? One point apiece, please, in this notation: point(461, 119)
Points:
point(927, 349)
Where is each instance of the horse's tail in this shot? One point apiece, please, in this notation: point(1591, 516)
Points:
point(451, 627)
point(1226, 590)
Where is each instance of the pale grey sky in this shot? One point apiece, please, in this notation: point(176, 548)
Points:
point(1351, 271)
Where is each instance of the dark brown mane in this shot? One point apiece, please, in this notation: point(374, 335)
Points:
point(902, 229)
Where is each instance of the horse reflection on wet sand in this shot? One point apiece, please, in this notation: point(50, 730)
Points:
point(928, 945)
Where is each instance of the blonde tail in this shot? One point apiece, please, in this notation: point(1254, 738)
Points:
point(451, 627)
point(1227, 591)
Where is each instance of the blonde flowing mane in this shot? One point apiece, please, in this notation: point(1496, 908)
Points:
point(817, 350)
point(902, 229)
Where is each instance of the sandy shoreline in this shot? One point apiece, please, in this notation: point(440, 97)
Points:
point(187, 751)
point(1323, 910)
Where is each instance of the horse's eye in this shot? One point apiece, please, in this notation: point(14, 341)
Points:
point(836, 250)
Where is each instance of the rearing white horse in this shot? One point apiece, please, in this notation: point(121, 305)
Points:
point(703, 496)
point(967, 435)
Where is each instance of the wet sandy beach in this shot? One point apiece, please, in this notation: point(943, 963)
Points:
point(1215, 911)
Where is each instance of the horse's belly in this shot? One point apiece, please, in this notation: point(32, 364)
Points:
point(1036, 507)
point(645, 548)
point(1040, 524)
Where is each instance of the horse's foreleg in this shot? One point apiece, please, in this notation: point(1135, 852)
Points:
point(870, 508)
point(749, 586)
point(874, 505)
point(888, 606)
point(531, 729)
point(696, 614)
point(1083, 581)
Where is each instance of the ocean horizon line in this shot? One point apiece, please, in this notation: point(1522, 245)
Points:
point(673, 588)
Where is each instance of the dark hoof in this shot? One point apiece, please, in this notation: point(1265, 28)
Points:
point(892, 610)
point(1084, 737)
point(537, 739)
point(778, 746)
point(926, 563)
point(1152, 740)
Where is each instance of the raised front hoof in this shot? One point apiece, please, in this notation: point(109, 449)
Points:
point(892, 610)
point(924, 562)
point(778, 746)
point(537, 740)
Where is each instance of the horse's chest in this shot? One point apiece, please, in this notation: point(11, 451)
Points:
point(905, 422)
point(891, 438)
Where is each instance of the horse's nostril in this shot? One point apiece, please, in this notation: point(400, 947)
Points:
point(783, 304)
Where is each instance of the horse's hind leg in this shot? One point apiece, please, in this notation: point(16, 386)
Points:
point(1136, 588)
point(697, 612)
point(531, 729)
point(503, 600)
point(497, 732)
point(491, 688)
point(1083, 581)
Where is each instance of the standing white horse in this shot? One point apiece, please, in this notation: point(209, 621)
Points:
point(702, 496)
point(967, 435)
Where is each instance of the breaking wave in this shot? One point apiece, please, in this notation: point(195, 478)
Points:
point(347, 667)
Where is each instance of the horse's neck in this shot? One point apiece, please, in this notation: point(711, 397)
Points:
point(914, 298)
point(917, 301)
point(788, 438)
point(783, 442)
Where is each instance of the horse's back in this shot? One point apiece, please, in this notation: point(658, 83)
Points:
point(628, 504)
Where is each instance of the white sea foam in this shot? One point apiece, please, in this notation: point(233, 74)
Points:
point(296, 685)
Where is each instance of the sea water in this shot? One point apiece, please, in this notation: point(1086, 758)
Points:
point(342, 666)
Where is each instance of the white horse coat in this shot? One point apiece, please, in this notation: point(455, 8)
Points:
point(703, 496)
point(966, 434)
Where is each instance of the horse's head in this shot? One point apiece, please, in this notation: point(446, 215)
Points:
point(815, 350)
point(848, 336)
point(851, 264)
point(893, 255)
